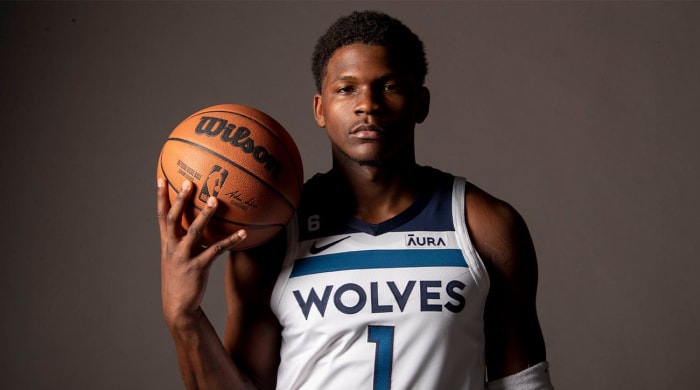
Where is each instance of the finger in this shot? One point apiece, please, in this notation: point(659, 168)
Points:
point(194, 233)
point(218, 248)
point(163, 206)
point(174, 217)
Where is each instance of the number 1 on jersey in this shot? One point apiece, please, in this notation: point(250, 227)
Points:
point(383, 336)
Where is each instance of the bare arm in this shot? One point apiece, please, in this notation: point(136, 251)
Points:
point(203, 360)
point(253, 334)
point(514, 339)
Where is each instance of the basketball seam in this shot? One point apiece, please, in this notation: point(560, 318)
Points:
point(266, 184)
point(218, 217)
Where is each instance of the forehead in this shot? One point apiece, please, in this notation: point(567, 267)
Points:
point(359, 60)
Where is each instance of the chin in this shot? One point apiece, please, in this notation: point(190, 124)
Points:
point(368, 159)
point(370, 163)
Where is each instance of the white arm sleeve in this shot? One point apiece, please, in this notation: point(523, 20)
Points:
point(532, 378)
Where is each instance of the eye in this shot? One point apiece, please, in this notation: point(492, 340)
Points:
point(345, 89)
point(393, 87)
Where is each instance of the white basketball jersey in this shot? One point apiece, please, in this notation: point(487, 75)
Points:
point(396, 305)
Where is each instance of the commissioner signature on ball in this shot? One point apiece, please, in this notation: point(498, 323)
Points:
point(236, 196)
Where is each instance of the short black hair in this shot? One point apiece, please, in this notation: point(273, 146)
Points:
point(370, 28)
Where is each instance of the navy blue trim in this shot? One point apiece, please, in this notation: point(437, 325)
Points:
point(374, 259)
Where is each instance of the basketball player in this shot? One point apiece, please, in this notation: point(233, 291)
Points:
point(391, 275)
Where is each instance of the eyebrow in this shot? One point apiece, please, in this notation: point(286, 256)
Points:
point(380, 78)
point(344, 78)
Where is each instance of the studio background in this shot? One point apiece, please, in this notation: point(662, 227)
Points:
point(584, 116)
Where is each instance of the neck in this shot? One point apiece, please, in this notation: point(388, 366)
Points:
point(380, 192)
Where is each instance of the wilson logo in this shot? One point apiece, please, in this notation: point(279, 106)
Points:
point(240, 138)
point(423, 240)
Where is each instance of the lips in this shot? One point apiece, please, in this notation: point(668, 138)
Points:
point(367, 131)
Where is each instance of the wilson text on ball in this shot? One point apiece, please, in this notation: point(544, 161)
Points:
point(240, 138)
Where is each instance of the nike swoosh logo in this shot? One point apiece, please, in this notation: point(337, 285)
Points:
point(318, 249)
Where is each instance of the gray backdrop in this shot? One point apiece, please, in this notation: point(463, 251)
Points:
point(582, 115)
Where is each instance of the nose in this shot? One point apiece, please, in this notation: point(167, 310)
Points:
point(368, 101)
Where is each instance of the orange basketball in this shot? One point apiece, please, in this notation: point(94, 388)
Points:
point(244, 158)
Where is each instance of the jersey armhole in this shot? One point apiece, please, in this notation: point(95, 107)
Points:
point(459, 211)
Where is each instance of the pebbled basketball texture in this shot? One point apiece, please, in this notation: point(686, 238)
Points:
point(244, 158)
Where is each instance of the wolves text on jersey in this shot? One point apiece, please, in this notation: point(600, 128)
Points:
point(431, 297)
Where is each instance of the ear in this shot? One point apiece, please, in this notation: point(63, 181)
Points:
point(422, 104)
point(318, 111)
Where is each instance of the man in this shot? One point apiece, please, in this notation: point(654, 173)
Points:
point(391, 275)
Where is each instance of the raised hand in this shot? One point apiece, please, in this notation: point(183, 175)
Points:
point(185, 264)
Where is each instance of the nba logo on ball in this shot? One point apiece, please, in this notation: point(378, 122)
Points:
point(215, 180)
point(245, 159)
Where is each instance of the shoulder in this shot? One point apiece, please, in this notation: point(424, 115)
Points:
point(316, 190)
point(498, 231)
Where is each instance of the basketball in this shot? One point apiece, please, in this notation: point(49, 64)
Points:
point(245, 159)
